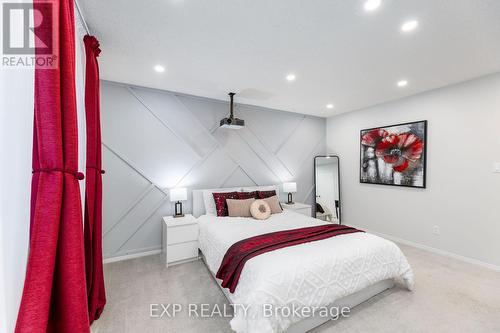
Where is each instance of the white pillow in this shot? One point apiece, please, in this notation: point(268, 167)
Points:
point(208, 198)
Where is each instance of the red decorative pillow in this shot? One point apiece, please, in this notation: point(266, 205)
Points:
point(220, 202)
point(247, 195)
point(265, 194)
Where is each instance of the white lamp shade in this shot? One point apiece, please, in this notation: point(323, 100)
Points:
point(289, 187)
point(178, 194)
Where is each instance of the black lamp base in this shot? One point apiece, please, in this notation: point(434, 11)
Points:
point(178, 209)
point(290, 199)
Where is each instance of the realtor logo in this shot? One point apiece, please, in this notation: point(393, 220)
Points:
point(22, 44)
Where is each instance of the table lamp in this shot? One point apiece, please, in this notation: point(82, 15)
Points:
point(177, 195)
point(290, 188)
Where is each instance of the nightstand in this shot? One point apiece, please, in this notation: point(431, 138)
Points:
point(298, 207)
point(180, 239)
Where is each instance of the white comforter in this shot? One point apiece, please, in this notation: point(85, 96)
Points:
point(313, 274)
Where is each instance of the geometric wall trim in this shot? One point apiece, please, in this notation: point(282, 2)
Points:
point(155, 140)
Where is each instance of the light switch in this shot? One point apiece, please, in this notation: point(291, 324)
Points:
point(496, 167)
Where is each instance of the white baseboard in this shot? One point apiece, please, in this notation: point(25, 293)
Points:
point(434, 250)
point(131, 256)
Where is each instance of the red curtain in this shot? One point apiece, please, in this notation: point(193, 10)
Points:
point(54, 297)
point(93, 183)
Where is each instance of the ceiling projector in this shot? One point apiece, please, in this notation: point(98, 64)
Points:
point(231, 122)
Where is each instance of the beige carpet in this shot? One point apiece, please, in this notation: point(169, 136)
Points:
point(449, 296)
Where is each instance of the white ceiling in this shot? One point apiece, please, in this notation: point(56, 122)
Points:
point(340, 53)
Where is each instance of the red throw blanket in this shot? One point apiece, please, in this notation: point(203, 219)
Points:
point(239, 253)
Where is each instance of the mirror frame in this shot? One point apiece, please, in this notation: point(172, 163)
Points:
point(338, 181)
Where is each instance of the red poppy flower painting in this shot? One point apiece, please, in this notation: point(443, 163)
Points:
point(394, 155)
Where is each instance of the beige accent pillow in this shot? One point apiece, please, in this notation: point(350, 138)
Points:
point(260, 209)
point(274, 204)
point(239, 208)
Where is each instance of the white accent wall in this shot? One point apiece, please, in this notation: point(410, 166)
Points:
point(155, 140)
point(463, 194)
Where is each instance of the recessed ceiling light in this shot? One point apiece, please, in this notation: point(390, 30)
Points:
point(290, 77)
point(402, 83)
point(372, 5)
point(409, 26)
point(159, 68)
point(329, 106)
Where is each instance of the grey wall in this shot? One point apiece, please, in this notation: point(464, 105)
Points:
point(463, 193)
point(155, 140)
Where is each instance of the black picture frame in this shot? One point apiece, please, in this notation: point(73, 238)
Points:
point(424, 155)
point(338, 182)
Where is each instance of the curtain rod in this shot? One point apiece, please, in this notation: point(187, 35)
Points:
point(81, 16)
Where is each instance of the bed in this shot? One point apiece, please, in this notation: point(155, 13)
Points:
point(335, 272)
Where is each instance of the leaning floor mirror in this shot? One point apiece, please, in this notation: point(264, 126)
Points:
point(327, 188)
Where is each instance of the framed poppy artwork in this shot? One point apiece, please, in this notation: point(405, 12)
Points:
point(394, 155)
